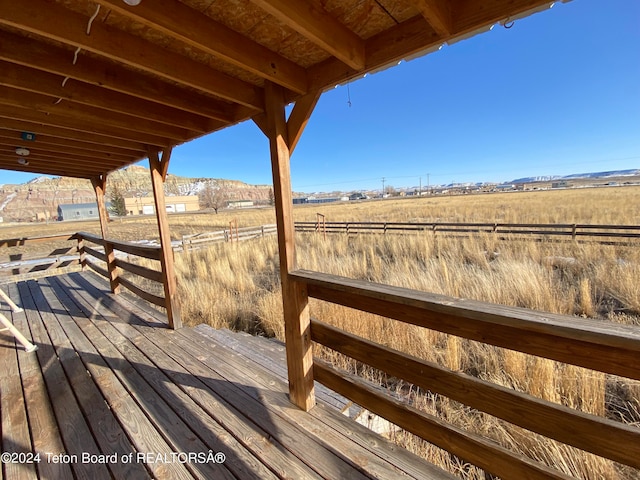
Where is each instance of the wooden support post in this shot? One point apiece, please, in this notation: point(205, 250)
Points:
point(99, 184)
point(294, 294)
point(159, 167)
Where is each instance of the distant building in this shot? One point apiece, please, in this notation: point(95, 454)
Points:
point(146, 205)
point(327, 199)
point(300, 200)
point(240, 204)
point(561, 184)
point(79, 211)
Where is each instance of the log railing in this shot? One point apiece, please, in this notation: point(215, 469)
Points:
point(21, 264)
point(592, 344)
point(600, 233)
point(120, 263)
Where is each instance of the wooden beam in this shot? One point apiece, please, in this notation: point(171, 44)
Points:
point(437, 13)
point(587, 432)
point(55, 133)
point(408, 38)
point(587, 343)
point(294, 294)
point(62, 159)
point(471, 16)
point(29, 115)
point(90, 115)
point(299, 117)
point(99, 185)
point(315, 23)
point(159, 166)
point(471, 447)
point(51, 144)
point(10, 163)
point(52, 59)
point(208, 35)
point(58, 23)
point(36, 81)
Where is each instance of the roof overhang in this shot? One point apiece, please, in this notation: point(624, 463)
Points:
point(100, 84)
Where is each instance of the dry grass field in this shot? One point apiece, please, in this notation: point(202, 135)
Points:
point(236, 286)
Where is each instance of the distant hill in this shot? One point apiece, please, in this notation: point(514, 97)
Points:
point(576, 176)
point(40, 197)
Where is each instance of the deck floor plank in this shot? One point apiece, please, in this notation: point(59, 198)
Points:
point(293, 436)
point(145, 418)
point(326, 424)
point(109, 435)
point(76, 435)
point(12, 407)
point(361, 442)
point(357, 433)
point(194, 418)
point(109, 376)
point(241, 463)
point(262, 443)
point(45, 434)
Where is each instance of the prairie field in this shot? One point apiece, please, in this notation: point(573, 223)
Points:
point(236, 285)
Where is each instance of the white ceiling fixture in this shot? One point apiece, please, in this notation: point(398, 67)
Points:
point(23, 152)
point(23, 161)
point(133, 3)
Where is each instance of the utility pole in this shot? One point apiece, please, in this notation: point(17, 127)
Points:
point(428, 184)
point(420, 189)
point(382, 187)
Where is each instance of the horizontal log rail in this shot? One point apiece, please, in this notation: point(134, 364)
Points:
point(473, 448)
point(18, 242)
point(25, 265)
point(144, 251)
point(597, 345)
point(549, 229)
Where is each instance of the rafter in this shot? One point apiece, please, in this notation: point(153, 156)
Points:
point(48, 58)
point(40, 160)
point(204, 33)
point(96, 118)
point(408, 38)
point(101, 142)
point(45, 168)
point(315, 23)
point(437, 13)
point(105, 131)
point(31, 80)
point(63, 144)
point(472, 16)
point(57, 23)
point(73, 158)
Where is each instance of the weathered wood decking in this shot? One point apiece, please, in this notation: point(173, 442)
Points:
point(109, 380)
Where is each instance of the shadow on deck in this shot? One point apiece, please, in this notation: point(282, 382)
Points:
point(121, 396)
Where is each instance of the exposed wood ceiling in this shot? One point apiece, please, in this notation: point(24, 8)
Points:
point(101, 87)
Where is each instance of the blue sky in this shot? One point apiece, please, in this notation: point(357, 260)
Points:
point(557, 93)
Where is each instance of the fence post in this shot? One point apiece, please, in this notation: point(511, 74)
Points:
point(573, 232)
point(99, 184)
point(81, 253)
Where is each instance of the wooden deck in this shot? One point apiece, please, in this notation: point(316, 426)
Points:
point(122, 396)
